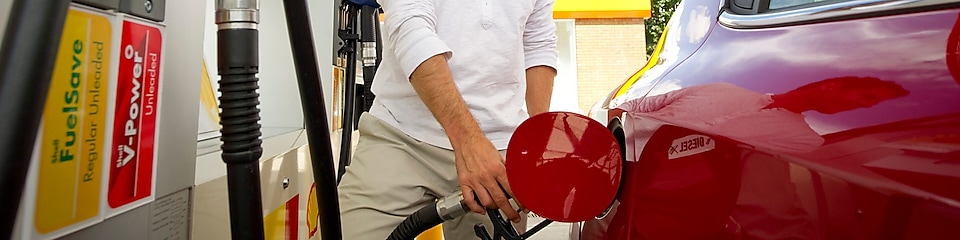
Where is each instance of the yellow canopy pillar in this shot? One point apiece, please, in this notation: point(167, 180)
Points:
point(574, 9)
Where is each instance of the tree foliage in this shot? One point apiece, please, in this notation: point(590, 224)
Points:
point(660, 12)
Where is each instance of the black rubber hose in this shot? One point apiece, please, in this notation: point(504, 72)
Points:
point(422, 220)
point(26, 65)
point(238, 65)
point(314, 116)
point(349, 54)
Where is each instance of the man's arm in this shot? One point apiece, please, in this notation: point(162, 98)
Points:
point(410, 31)
point(479, 164)
point(540, 56)
point(539, 89)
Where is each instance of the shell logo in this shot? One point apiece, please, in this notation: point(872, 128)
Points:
point(282, 223)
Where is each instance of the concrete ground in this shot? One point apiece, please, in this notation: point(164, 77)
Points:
point(554, 231)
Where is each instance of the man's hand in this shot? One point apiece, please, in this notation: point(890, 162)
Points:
point(482, 173)
point(479, 165)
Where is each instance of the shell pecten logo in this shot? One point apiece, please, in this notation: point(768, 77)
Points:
point(282, 223)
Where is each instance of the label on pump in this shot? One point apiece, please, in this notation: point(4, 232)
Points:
point(133, 152)
point(64, 187)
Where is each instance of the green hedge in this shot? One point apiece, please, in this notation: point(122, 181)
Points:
point(660, 13)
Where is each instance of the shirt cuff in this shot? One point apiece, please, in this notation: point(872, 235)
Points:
point(541, 58)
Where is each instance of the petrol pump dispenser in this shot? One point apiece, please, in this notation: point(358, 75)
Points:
point(96, 149)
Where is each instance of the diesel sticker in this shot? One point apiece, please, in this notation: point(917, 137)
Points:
point(690, 145)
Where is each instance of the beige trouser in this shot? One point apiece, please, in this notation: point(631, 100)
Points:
point(392, 176)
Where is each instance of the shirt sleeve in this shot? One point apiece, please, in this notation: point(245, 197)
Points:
point(410, 28)
point(540, 37)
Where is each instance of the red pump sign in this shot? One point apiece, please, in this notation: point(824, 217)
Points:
point(135, 121)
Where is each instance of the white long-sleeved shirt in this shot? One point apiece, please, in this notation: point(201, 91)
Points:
point(488, 45)
point(727, 110)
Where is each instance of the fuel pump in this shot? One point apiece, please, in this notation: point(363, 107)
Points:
point(349, 35)
point(237, 20)
point(357, 33)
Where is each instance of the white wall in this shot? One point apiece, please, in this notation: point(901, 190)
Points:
point(279, 94)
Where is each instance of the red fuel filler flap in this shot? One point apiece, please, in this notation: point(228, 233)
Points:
point(564, 166)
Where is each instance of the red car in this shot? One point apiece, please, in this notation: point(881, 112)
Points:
point(791, 119)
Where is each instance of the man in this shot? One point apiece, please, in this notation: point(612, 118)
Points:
point(450, 91)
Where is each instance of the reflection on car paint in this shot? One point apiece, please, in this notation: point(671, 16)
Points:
point(766, 120)
point(684, 33)
point(885, 163)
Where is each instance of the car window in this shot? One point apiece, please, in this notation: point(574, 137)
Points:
point(781, 4)
point(778, 4)
point(745, 14)
point(746, 4)
point(749, 7)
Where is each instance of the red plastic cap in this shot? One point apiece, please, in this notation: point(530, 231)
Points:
point(563, 166)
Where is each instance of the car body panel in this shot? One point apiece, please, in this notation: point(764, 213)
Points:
point(688, 30)
point(888, 169)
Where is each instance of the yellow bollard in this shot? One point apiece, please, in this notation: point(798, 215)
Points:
point(435, 233)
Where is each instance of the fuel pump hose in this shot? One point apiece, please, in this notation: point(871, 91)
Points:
point(447, 208)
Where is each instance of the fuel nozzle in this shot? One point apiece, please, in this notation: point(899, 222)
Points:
point(444, 209)
point(452, 206)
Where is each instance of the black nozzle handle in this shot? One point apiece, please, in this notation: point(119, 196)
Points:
point(238, 65)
